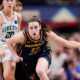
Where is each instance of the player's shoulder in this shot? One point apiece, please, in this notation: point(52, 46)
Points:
point(18, 14)
point(1, 18)
point(1, 14)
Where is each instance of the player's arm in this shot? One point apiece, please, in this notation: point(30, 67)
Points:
point(19, 21)
point(1, 51)
point(63, 42)
point(17, 38)
point(1, 20)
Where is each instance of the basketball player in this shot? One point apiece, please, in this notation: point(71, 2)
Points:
point(35, 51)
point(9, 25)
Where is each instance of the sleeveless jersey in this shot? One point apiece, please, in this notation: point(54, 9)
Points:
point(8, 28)
point(31, 51)
point(34, 47)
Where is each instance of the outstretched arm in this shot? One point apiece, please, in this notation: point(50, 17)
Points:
point(63, 42)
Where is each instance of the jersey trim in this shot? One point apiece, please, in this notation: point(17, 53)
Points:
point(33, 39)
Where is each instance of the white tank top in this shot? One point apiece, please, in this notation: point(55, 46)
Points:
point(8, 28)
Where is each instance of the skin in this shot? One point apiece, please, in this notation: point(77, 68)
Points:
point(9, 5)
point(8, 11)
point(34, 31)
point(42, 64)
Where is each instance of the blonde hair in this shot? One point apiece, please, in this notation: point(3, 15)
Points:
point(17, 7)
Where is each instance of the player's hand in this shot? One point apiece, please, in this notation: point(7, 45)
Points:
point(17, 59)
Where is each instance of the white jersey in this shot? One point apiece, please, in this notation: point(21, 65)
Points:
point(8, 28)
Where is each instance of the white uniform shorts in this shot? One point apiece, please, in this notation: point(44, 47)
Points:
point(8, 55)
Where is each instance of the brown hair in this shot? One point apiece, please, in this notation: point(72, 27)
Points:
point(17, 7)
point(44, 27)
point(1, 7)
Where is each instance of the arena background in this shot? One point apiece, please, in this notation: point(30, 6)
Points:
point(63, 15)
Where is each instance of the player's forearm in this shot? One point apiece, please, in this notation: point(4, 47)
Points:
point(63, 42)
point(73, 44)
point(11, 47)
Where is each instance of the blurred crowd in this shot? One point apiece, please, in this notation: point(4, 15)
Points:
point(63, 2)
point(50, 2)
point(65, 61)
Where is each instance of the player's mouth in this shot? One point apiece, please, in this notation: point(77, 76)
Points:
point(10, 6)
point(34, 34)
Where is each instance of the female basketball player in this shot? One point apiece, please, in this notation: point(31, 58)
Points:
point(9, 25)
point(35, 51)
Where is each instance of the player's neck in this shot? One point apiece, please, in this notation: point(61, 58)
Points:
point(35, 37)
point(8, 13)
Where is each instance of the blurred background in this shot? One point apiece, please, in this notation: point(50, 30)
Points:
point(63, 16)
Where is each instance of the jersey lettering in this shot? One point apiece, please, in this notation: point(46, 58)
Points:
point(9, 34)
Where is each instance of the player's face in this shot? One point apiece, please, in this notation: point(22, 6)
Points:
point(34, 29)
point(9, 4)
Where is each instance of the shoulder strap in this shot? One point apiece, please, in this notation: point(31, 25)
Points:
point(3, 16)
point(15, 16)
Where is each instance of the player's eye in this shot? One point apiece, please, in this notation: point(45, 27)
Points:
point(35, 27)
point(31, 27)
